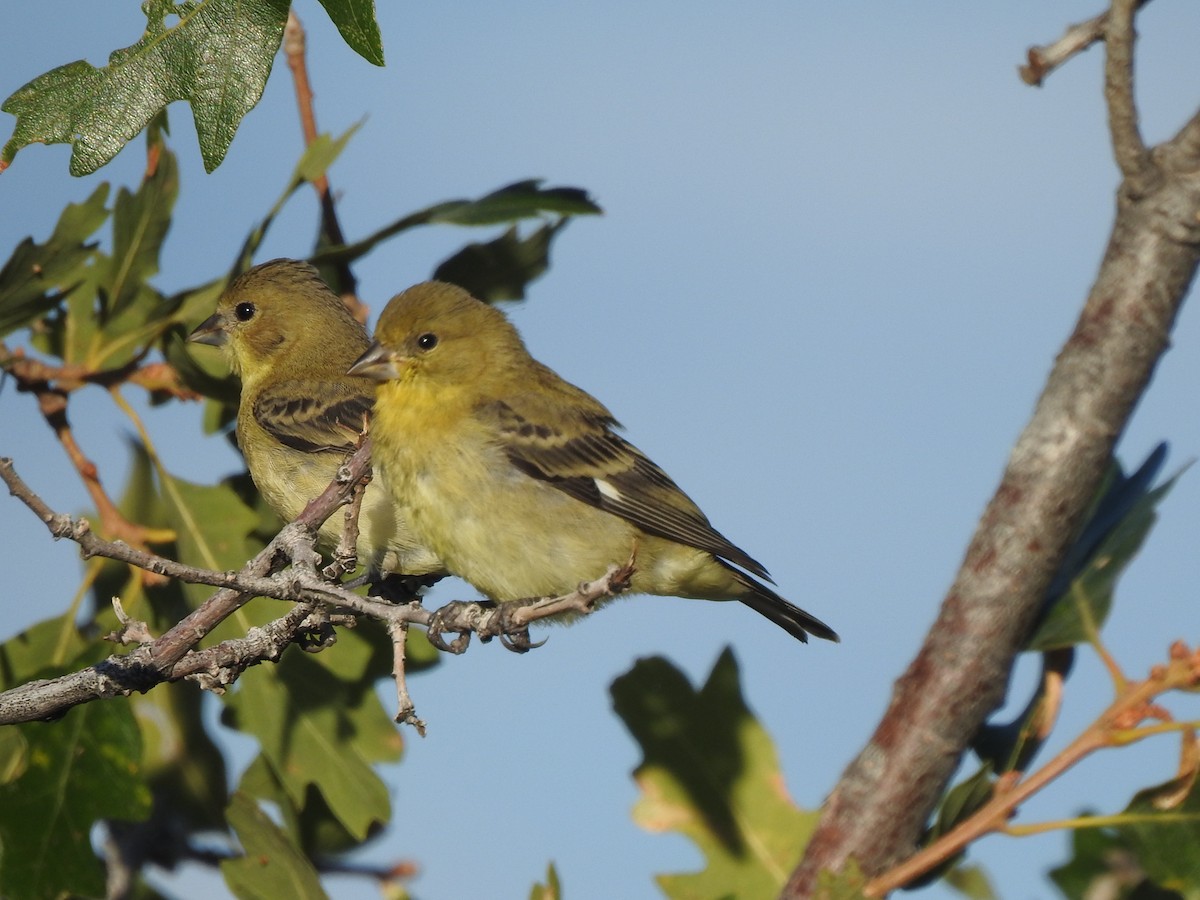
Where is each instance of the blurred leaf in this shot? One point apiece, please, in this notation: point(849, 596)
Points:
point(522, 200)
point(211, 524)
point(316, 729)
point(314, 162)
point(1165, 835)
point(710, 771)
point(1102, 864)
point(500, 269)
point(970, 881)
point(80, 770)
point(355, 21)
point(14, 755)
point(848, 884)
point(1009, 746)
point(217, 56)
point(36, 275)
point(551, 890)
point(43, 650)
point(272, 866)
point(140, 223)
point(959, 803)
point(1086, 602)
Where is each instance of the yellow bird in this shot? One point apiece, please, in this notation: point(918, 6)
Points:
point(290, 339)
point(518, 481)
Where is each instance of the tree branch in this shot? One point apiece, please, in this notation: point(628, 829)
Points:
point(1079, 37)
point(171, 657)
point(878, 810)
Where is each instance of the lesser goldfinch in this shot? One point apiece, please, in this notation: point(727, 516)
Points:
point(517, 479)
point(290, 339)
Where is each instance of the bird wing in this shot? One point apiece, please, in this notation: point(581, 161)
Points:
point(572, 446)
point(313, 416)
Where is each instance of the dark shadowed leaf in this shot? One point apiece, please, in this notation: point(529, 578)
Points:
point(216, 54)
point(500, 269)
point(710, 771)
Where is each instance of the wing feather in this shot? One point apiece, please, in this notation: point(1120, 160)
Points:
point(578, 452)
point(312, 417)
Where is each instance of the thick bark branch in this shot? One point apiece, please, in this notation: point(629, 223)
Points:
point(879, 808)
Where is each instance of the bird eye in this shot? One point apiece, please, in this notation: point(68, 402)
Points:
point(427, 341)
point(244, 312)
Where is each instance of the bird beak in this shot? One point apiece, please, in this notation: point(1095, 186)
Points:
point(378, 364)
point(211, 331)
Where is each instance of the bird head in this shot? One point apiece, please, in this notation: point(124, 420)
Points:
point(280, 316)
point(437, 332)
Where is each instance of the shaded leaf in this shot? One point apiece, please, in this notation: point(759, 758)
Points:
point(971, 881)
point(1086, 601)
point(522, 200)
point(272, 866)
point(80, 770)
point(355, 21)
point(1164, 834)
point(316, 729)
point(500, 269)
point(36, 275)
point(710, 771)
point(1102, 864)
point(959, 803)
point(217, 56)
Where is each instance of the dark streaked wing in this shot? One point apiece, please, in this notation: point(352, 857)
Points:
point(587, 460)
point(304, 416)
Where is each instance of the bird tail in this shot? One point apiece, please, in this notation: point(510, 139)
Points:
point(790, 618)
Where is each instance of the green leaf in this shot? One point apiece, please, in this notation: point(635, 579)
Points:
point(216, 54)
point(41, 651)
point(318, 730)
point(522, 200)
point(1164, 833)
point(140, 223)
point(710, 771)
point(80, 770)
point(355, 20)
point(551, 890)
point(211, 525)
point(272, 866)
point(33, 279)
point(1078, 616)
point(971, 881)
point(500, 269)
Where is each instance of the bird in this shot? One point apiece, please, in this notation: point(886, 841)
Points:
point(290, 340)
point(519, 481)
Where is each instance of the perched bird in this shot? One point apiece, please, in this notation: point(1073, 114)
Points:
point(290, 339)
point(517, 479)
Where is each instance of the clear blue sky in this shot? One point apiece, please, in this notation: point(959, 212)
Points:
point(842, 245)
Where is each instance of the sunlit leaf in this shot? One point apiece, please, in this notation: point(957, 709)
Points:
point(551, 890)
point(355, 20)
point(710, 771)
point(216, 54)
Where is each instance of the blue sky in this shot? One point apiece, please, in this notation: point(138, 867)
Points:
point(842, 245)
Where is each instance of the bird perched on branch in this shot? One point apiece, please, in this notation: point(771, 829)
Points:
point(290, 339)
point(518, 480)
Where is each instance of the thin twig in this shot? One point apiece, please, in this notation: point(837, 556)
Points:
point(1079, 37)
point(1182, 672)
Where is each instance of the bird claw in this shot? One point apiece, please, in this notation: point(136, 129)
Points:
point(439, 624)
point(513, 637)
